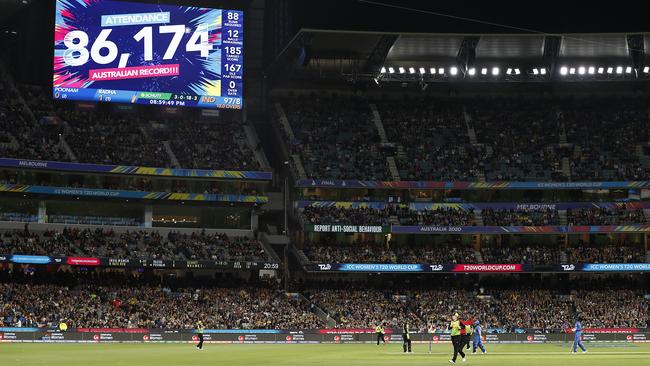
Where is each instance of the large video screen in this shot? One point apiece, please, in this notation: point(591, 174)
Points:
point(168, 55)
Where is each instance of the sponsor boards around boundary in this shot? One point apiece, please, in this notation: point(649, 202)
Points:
point(301, 336)
point(475, 268)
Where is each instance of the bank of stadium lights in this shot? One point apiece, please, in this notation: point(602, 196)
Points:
point(453, 70)
point(564, 70)
point(411, 70)
point(591, 70)
point(610, 70)
point(646, 69)
point(441, 70)
point(495, 71)
point(582, 70)
point(401, 70)
point(628, 70)
point(432, 71)
point(471, 71)
point(484, 71)
point(422, 71)
point(391, 70)
point(619, 70)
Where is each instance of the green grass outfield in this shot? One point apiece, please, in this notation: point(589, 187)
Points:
point(37, 354)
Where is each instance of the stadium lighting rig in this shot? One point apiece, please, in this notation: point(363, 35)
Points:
point(568, 72)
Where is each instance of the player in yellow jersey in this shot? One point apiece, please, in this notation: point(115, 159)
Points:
point(455, 326)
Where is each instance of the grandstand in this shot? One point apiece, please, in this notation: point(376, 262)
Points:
point(316, 185)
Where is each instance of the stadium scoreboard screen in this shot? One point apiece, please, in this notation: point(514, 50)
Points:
point(168, 55)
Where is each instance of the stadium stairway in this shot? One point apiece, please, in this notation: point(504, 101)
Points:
point(478, 256)
point(171, 155)
point(471, 132)
point(284, 121)
point(563, 257)
point(392, 166)
point(297, 164)
point(324, 316)
point(376, 119)
point(67, 148)
point(563, 218)
point(12, 87)
point(478, 218)
point(253, 142)
point(566, 167)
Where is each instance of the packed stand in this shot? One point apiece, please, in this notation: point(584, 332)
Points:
point(433, 137)
point(611, 309)
point(132, 244)
point(364, 309)
point(521, 136)
point(617, 254)
point(23, 137)
point(438, 217)
point(108, 139)
point(202, 145)
point(601, 216)
point(336, 138)
point(605, 134)
point(92, 306)
point(492, 217)
point(521, 254)
point(338, 215)
point(377, 253)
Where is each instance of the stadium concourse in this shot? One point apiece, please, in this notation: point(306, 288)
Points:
point(172, 192)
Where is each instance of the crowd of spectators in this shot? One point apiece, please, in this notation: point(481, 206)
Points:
point(33, 130)
point(521, 254)
point(210, 146)
point(336, 138)
point(507, 310)
point(366, 308)
point(20, 135)
point(441, 253)
point(339, 215)
point(132, 244)
point(611, 309)
point(601, 216)
point(112, 300)
point(493, 217)
point(433, 137)
point(100, 138)
point(470, 139)
point(403, 215)
point(605, 254)
point(89, 306)
point(368, 252)
point(438, 217)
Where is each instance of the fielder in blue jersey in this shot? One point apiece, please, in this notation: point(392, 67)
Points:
point(577, 341)
point(478, 341)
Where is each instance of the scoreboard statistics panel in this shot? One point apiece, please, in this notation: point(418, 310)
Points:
point(169, 55)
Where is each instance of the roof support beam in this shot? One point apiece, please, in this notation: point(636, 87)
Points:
point(636, 51)
point(379, 53)
point(551, 53)
point(467, 53)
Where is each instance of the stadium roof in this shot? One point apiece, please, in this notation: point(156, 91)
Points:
point(314, 53)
